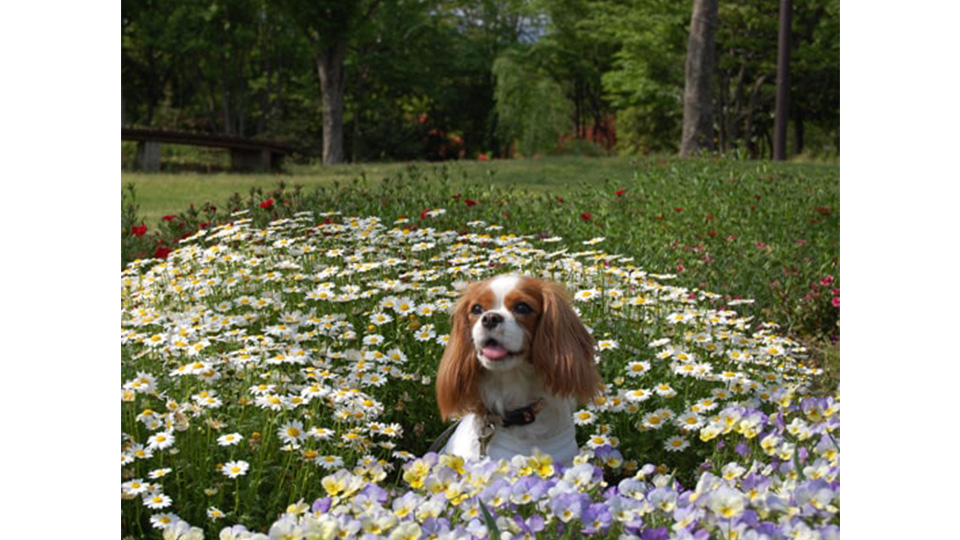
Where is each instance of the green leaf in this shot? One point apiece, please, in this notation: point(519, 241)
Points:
point(489, 521)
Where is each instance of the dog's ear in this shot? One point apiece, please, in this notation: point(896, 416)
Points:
point(562, 350)
point(458, 376)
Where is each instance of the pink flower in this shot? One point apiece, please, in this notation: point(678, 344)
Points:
point(761, 245)
point(836, 301)
point(826, 281)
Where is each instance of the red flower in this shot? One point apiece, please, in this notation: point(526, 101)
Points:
point(470, 202)
point(169, 218)
point(836, 292)
point(139, 231)
point(709, 218)
point(661, 216)
point(204, 225)
point(712, 233)
point(560, 200)
point(482, 157)
point(266, 204)
point(761, 245)
point(161, 253)
point(457, 196)
point(826, 281)
point(836, 301)
point(506, 214)
point(620, 192)
point(586, 216)
point(678, 209)
point(423, 214)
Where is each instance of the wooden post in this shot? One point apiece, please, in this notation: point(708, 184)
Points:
point(783, 83)
point(148, 156)
point(251, 160)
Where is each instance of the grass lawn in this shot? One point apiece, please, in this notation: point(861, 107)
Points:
point(169, 193)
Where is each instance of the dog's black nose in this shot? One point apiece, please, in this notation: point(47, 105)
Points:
point(491, 320)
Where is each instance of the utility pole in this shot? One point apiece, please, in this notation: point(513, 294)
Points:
point(783, 83)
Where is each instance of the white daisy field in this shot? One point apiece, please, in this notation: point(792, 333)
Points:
point(278, 383)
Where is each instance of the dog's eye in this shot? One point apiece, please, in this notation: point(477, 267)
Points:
point(477, 309)
point(522, 309)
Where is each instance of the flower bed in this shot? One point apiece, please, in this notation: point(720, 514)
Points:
point(295, 363)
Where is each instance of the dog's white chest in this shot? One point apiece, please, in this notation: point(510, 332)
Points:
point(465, 442)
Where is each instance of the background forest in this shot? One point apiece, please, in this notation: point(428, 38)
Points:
point(441, 79)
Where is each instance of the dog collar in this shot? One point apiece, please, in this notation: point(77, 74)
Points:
point(518, 417)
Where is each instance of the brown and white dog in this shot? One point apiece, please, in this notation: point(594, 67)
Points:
point(517, 362)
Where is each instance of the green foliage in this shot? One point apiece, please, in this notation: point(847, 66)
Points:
point(439, 79)
point(531, 107)
point(645, 84)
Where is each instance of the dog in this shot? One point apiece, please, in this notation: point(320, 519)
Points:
point(517, 362)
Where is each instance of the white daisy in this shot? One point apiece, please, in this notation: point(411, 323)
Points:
point(229, 439)
point(233, 469)
point(584, 418)
point(675, 444)
point(637, 368)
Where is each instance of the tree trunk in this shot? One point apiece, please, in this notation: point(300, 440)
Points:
point(697, 94)
point(783, 82)
point(330, 67)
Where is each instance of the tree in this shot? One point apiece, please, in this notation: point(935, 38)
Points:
point(329, 26)
point(697, 94)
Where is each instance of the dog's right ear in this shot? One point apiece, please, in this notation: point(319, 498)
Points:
point(458, 376)
point(562, 350)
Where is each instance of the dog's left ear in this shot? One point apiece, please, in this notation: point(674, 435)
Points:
point(562, 349)
point(458, 376)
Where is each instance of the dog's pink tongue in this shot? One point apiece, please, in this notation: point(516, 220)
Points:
point(494, 352)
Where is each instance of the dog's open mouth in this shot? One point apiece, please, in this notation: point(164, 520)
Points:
point(494, 350)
